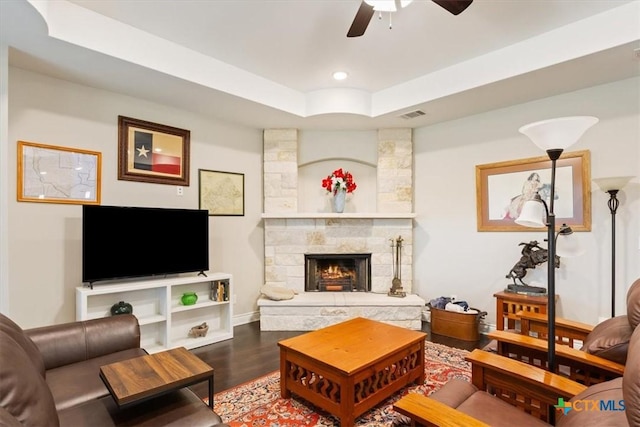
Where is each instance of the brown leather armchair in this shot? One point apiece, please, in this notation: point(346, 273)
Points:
point(49, 376)
point(507, 392)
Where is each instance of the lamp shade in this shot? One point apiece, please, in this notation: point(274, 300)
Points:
point(558, 133)
point(613, 183)
point(532, 214)
point(568, 246)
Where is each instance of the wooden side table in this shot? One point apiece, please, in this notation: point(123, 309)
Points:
point(141, 378)
point(509, 303)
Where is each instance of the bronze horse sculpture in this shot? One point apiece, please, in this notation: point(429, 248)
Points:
point(532, 255)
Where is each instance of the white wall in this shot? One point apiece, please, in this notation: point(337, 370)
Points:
point(4, 177)
point(452, 257)
point(45, 239)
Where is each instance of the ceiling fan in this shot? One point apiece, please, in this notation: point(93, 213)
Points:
point(369, 7)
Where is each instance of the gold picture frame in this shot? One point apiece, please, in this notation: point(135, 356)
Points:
point(221, 193)
point(54, 174)
point(151, 152)
point(502, 188)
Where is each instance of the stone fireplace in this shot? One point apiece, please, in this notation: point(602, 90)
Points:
point(337, 272)
point(291, 236)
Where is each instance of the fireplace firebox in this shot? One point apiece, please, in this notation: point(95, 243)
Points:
point(337, 272)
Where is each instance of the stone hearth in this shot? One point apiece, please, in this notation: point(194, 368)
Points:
point(309, 311)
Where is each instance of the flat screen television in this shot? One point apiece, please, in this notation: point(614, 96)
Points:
point(123, 242)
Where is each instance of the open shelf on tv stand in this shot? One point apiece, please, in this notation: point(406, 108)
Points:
point(164, 321)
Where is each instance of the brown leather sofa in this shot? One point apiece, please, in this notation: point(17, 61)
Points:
point(49, 376)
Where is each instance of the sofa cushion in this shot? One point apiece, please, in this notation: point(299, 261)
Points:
point(496, 412)
point(454, 392)
point(633, 304)
point(14, 331)
point(179, 408)
point(68, 343)
point(23, 390)
point(8, 420)
point(79, 382)
point(465, 397)
point(583, 415)
point(631, 381)
point(610, 339)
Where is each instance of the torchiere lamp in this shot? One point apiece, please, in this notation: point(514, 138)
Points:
point(612, 186)
point(554, 136)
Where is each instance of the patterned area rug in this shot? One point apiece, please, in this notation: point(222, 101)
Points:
point(258, 402)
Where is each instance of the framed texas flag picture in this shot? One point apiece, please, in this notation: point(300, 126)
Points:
point(151, 152)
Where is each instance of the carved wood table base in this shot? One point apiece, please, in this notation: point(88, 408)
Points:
point(348, 368)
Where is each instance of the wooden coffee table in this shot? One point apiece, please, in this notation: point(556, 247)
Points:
point(144, 377)
point(348, 368)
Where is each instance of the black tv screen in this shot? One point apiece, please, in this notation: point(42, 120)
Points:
point(122, 242)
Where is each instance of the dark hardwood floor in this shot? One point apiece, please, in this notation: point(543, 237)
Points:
point(252, 353)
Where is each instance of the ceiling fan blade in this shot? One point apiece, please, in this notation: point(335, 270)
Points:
point(361, 21)
point(454, 6)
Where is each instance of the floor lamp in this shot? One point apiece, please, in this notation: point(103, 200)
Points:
point(553, 136)
point(612, 186)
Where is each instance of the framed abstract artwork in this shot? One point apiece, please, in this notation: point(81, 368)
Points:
point(54, 174)
point(502, 188)
point(221, 193)
point(151, 152)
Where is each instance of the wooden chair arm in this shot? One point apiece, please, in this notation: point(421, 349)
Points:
point(577, 365)
point(517, 371)
point(566, 331)
point(565, 323)
point(527, 387)
point(428, 412)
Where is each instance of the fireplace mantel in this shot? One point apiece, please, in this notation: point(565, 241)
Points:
point(331, 215)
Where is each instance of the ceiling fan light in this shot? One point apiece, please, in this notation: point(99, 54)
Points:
point(382, 5)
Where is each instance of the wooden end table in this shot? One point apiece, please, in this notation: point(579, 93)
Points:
point(144, 377)
point(509, 303)
point(350, 367)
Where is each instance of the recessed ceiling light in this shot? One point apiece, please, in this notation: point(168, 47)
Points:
point(340, 75)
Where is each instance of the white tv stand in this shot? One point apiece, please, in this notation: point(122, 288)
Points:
point(164, 321)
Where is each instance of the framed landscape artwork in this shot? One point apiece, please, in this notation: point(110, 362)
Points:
point(53, 174)
point(221, 193)
point(502, 188)
point(151, 152)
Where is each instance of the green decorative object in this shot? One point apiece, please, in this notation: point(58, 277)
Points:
point(189, 298)
point(121, 308)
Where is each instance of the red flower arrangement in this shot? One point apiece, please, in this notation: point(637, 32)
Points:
point(339, 180)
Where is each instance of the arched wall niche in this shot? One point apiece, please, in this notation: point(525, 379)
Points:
point(313, 198)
